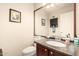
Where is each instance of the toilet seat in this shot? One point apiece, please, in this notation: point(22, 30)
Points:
point(29, 50)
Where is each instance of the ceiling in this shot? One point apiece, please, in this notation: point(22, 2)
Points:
point(58, 7)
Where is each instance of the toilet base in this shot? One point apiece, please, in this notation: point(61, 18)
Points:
point(29, 54)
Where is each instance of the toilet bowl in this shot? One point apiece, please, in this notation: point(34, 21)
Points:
point(29, 51)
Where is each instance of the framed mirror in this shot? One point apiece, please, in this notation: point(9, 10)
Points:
point(63, 12)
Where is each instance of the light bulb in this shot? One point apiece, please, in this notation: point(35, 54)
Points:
point(52, 5)
point(44, 3)
point(48, 6)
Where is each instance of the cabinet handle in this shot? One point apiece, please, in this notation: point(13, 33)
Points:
point(45, 49)
point(51, 52)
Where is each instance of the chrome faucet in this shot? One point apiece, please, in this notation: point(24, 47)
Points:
point(68, 35)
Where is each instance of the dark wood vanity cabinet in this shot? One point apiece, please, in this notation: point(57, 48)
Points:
point(45, 51)
point(41, 50)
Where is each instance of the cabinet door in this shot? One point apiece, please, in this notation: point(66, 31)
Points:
point(41, 50)
point(51, 53)
point(45, 52)
point(57, 53)
point(54, 53)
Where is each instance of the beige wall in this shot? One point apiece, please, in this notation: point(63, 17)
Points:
point(16, 36)
point(66, 23)
point(77, 19)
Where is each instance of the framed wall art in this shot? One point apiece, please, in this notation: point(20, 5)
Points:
point(43, 21)
point(14, 16)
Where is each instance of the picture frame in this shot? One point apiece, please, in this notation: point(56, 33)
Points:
point(43, 21)
point(14, 16)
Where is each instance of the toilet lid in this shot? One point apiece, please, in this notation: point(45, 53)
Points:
point(29, 49)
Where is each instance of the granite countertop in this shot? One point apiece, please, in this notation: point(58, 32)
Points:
point(70, 49)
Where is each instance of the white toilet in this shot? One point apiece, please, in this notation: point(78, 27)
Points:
point(31, 50)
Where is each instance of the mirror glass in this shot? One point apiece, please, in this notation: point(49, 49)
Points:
point(55, 19)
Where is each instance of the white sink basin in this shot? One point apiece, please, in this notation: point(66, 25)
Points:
point(55, 43)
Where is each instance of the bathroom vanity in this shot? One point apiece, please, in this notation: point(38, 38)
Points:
point(44, 49)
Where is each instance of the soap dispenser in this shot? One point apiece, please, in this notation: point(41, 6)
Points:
point(76, 41)
point(67, 41)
